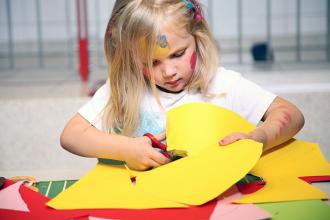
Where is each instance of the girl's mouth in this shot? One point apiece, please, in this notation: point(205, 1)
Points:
point(173, 83)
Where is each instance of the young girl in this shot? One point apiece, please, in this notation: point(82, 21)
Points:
point(160, 55)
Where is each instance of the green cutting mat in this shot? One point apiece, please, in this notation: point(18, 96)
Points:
point(50, 189)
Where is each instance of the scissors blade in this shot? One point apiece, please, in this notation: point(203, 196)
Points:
point(178, 153)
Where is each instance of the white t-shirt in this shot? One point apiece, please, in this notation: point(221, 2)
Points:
point(240, 95)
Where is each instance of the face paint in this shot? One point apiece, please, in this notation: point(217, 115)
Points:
point(193, 61)
point(162, 48)
point(162, 42)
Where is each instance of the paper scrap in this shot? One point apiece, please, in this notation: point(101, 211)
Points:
point(196, 180)
point(10, 198)
point(302, 210)
point(226, 210)
point(107, 186)
point(281, 169)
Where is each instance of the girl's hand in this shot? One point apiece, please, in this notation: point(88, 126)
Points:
point(140, 155)
point(258, 135)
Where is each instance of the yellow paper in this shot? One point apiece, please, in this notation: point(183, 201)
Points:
point(107, 186)
point(281, 169)
point(196, 126)
point(209, 169)
point(196, 180)
point(206, 173)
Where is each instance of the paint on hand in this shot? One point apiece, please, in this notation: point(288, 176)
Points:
point(193, 60)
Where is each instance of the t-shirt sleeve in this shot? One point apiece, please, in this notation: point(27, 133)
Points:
point(242, 96)
point(92, 110)
point(251, 100)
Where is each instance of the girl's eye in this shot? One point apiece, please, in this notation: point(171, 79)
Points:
point(179, 54)
point(155, 62)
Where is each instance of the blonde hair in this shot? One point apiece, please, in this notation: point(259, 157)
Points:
point(131, 21)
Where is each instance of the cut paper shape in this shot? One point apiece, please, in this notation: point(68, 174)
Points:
point(107, 186)
point(281, 169)
point(196, 180)
point(226, 210)
point(38, 210)
point(251, 187)
point(195, 126)
point(302, 210)
point(210, 171)
point(10, 198)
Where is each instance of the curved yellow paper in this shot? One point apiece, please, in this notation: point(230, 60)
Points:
point(107, 186)
point(195, 180)
point(209, 169)
point(196, 126)
point(281, 169)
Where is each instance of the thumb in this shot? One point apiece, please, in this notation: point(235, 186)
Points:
point(161, 136)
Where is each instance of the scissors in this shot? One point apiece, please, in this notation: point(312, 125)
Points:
point(172, 154)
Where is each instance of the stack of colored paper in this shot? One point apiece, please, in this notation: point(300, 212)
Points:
point(206, 178)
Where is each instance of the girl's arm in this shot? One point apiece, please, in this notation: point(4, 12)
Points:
point(282, 121)
point(81, 138)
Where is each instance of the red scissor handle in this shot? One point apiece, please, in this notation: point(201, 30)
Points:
point(157, 144)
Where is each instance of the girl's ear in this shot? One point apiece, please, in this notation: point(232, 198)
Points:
point(146, 72)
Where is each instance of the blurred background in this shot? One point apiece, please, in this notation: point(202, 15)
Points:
point(52, 60)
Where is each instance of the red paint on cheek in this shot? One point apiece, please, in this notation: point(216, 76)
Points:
point(193, 60)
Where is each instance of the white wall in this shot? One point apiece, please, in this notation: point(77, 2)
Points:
point(54, 18)
point(313, 17)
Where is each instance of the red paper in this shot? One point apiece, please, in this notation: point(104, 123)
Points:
point(314, 179)
point(248, 188)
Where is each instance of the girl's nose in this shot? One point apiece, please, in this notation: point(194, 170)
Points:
point(169, 71)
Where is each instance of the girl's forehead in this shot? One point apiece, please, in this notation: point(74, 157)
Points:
point(170, 38)
point(175, 31)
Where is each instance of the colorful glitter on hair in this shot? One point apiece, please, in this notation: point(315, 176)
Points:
point(195, 8)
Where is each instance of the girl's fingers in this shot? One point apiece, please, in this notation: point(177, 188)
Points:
point(152, 163)
point(145, 165)
point(159, 158)
point(160, 136)
point(232, 138)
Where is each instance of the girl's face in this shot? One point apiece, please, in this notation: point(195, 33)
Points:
point(174, 60)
